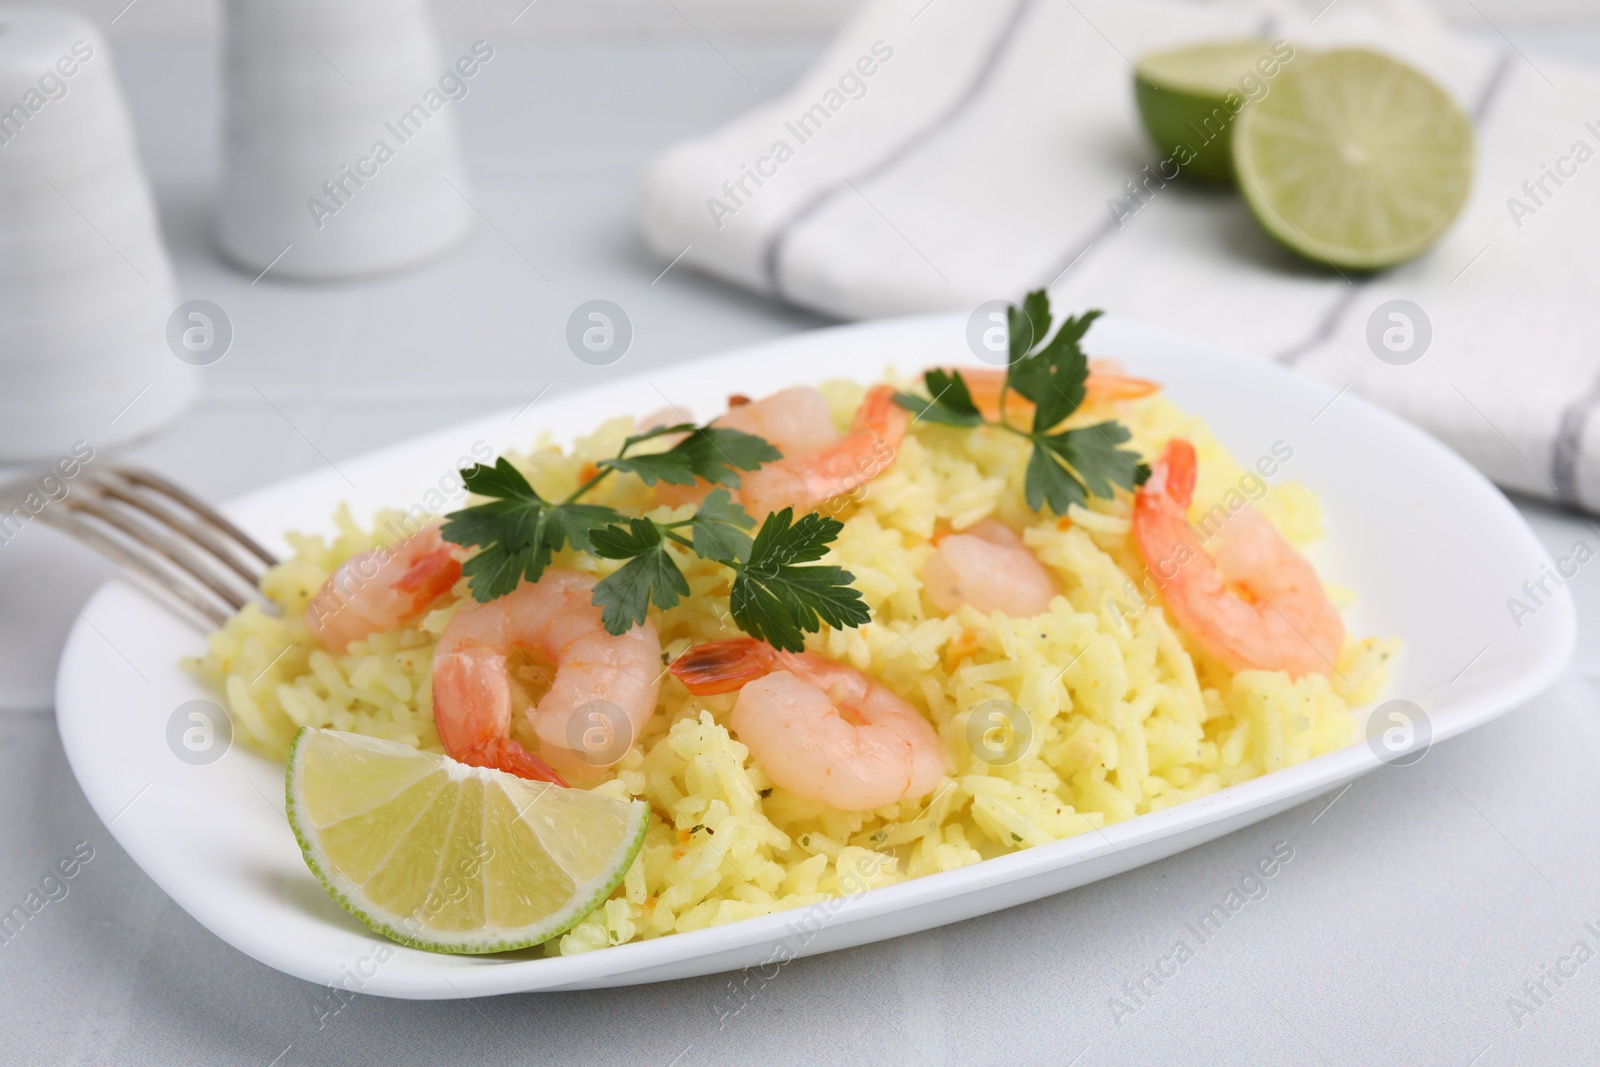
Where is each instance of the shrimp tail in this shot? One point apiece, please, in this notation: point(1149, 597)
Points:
point(880, 415)
point(433, 575)
point(1254, 603)
point(723, 666)
point(504, 754)
point(1177, 470)
point(1160, 508)
point(1106, 384)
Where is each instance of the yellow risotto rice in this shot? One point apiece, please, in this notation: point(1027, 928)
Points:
point(1127, 715)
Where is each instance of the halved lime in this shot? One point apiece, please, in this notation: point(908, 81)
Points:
point(1354, 159)
point(451, 858)
point(1189, 98)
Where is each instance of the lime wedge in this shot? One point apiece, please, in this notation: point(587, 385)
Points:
point(1354, 159)
point(451, 858)
point(1190, 97)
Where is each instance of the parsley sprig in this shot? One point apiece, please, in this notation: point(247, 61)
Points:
point(1068, 466)
point(773, 597)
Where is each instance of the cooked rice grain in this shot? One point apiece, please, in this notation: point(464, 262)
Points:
point(1127, 716)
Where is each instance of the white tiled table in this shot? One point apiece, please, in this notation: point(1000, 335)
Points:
point(1413, 908)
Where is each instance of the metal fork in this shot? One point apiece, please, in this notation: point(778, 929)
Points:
point(161, 532)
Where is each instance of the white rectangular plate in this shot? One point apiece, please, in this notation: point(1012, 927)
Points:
point(1431, 548)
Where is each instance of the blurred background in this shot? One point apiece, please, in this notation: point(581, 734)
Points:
point(196, 18)
point(554, 140)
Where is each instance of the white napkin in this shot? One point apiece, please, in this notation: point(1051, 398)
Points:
point(948, 152)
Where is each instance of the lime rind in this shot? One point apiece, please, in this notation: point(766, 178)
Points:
point(1211, 68)
point(1189, 97)
point(1171, 118)
point(1297, 176)
point(586, 897)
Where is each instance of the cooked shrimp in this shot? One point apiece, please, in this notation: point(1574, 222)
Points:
point(1106, 384)
point(601, 681)
point(990, 568)
point(823, 731)
point(804, 481)
point(1256, 603)
point(794, 421)
point(383, 589)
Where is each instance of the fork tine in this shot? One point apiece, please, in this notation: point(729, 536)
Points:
point(173, 583)
point(163, 535)
point(176, 551)
point(202, 534)
point(208, 514)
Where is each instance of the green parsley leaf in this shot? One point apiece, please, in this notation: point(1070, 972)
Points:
point(718, 454)
point(506, 522)
point(712, 453)
point(1028, 325)
point(1071, 332)
point(652, 434)
point(1064, 466)
point(782, 542)
point(950, 402)
point(517, 532)
point(626, 541)
point(1049, 483)
point(1063, 373)
point(949, 390)
point(501, 480)
point(671, 466)
point(719, 527)
point(573, 523)
point(497, 570)
point(933, 411)
point(651, 575)
point(1092, 453)
point(778, 602)
point(1052, 374)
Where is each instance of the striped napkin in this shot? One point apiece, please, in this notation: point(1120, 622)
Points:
point(944, 153)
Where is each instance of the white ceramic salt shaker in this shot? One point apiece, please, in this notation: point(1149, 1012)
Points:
point(340, 145)
point(85, 283)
